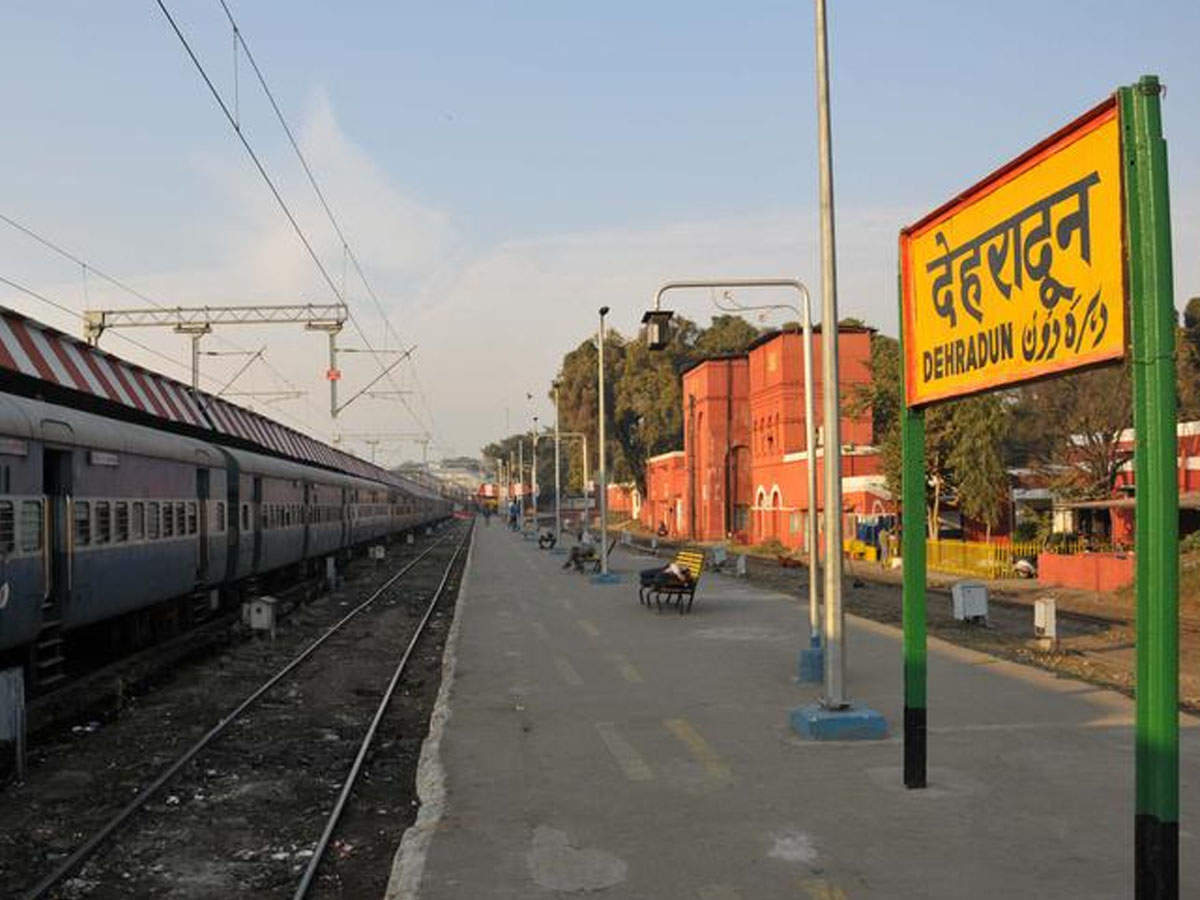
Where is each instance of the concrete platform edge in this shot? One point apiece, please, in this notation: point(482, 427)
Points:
point(408, 864)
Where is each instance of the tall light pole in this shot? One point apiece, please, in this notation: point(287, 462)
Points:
point(604, 576)
point(835, 659)
point(521, 475)
point(657, 322)
point(533, 480)
point(557, 473)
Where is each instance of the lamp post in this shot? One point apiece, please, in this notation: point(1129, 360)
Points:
point(604, 576)
point(557, 474)
point(657, 320)
point(521, 475)
point(533, 481)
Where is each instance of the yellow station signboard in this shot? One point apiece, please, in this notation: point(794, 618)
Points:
point(1021, 276)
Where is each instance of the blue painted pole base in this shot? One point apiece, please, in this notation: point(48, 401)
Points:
point(558, 551)
point(810, 665)
point(606, 578)
point(854, 723)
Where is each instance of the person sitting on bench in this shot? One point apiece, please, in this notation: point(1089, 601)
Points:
point(547, 540)
point(583, 552)
point(670, 575)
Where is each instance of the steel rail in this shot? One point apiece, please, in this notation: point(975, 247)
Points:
point(314, 861)
point(81, 854)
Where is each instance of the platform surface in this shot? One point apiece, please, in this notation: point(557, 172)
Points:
point(593, 746)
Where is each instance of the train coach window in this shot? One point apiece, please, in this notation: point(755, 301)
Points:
point(220, 517)
point(168, 521)
point(192, 517)
point(6, 526)
point(181, 518)
point(103, 522)
point(83, 523)
point(137, 522)
point(31, 525)
point(121, 521)
point(152, 521)
point(245, 517)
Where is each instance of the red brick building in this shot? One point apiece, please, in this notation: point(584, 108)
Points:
point(743, 469)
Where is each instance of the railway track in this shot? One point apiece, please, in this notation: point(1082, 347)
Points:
point(349, 630)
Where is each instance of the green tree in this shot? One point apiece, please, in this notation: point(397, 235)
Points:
point(977, 427)
point(579, 406)
point(726, 334)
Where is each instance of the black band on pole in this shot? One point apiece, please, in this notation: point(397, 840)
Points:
point(914, 747)
point(1156, 859)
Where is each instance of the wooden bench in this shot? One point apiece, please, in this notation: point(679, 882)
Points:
point(692, 562)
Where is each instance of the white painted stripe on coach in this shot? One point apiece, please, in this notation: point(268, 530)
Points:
point(85, 370)
point(114, 380)
point(137, 389)
point(50, 357)
point(154, 390)
point(16, 351)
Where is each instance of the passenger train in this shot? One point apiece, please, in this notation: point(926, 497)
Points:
point(101, 518)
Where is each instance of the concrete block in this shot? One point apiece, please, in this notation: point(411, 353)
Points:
point(854, 723)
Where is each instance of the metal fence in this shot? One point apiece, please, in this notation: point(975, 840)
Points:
point(978, 559)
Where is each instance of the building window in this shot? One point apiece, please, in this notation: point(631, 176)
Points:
point(31, 525)
point(137, 522)
point(103, 522)
point(795, 524)
point(121, 520)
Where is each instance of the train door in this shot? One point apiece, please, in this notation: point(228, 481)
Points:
point(345, 518)
point(47, 663)
point(304, 516)
point(202, 491)
point(233, 520)
point(256, 520)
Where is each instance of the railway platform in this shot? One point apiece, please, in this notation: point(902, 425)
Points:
point(585, 744)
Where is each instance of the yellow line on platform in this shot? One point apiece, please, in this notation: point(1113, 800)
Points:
point(629, 760)
point(627, 669)
point(820, 889)
point(567, 671)
point(589, 627)
point(698, 747)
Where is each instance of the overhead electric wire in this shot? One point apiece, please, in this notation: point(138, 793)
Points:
point(124, 286)
point(240, 38)
point(233, 122)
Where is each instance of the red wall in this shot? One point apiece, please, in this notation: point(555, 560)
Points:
point(1086, 571)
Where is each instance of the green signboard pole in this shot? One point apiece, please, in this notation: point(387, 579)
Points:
point(1152, 313)
point(912, 552)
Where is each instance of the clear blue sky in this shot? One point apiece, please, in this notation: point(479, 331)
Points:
point(503, 168)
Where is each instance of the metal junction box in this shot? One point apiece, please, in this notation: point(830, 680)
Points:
point(969, 601)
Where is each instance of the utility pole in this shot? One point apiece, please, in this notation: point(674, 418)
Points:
point(604, 576)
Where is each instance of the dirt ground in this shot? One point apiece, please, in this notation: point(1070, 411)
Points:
point(240, 820)
point(1096, 631)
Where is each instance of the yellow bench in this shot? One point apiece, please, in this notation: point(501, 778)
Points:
point(692, 562)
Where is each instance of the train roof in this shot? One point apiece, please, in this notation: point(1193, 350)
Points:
point(44, 362)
